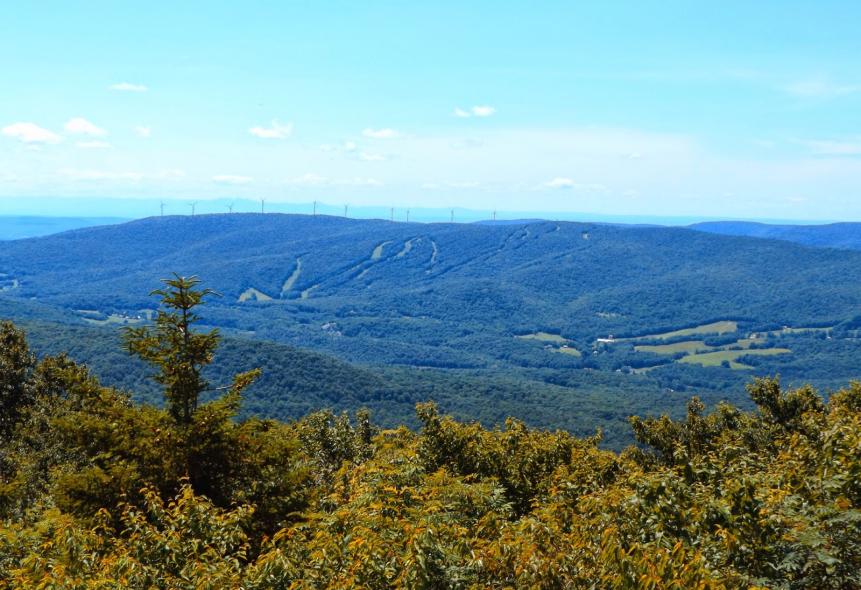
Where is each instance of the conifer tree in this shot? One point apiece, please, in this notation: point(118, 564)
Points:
point(170, 345)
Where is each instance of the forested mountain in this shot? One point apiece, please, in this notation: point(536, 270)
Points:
point(521, 314)
point(833, 235)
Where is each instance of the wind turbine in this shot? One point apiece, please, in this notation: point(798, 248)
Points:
point(315, 208)
point(392, 214)
point(408, 215)
point(230, 208)
point(262, 206)
point(161, 207)
point(345, 210)
point(452, 216)
point(193, 204)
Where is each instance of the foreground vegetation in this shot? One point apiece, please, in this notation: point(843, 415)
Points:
point(98, 492)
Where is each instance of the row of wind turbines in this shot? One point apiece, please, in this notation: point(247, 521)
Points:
point(229, 207)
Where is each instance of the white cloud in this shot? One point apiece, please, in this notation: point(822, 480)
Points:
point(314, 180)
point(562, 182)
point(231, 179)
point(819, 88)
point(76, 174)
point(93, 145)
point(81, 126)
point(450, 185)
point(828, 147)
point(31, 133)
point(143, 131)
point(276, 131)
point(381, 133)
point(476, 111)
point(483, 111)
point(368, 157)
point(128, 87)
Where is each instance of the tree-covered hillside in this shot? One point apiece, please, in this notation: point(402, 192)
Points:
point(845, 236)
point(99, 492)
point(523, 307)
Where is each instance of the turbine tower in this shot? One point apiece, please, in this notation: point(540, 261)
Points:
point(345, 210)
point(262, 206)
point(193, 204)
point(161, 207)
point(315, 208)
point(230, 208)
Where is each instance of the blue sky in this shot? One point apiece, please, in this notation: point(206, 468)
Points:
point(736, 109)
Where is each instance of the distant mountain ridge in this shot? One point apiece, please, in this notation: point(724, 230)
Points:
point(845, 236)
point(574, 315)
point(16, 227)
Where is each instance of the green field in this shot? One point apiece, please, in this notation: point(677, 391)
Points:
point(722, 327)
point(686, 346)
point(568, 350)
point(544, 337)
point(714, 359)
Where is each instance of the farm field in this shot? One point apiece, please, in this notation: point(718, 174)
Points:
point(714, 359)
point(544, 337)
point(720, 327)
point(686, 346)
point(568, 350)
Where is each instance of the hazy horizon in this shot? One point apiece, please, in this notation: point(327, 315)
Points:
point(120, 210)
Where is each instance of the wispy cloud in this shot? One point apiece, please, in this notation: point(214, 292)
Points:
point(31, 133)
point(346, 147)
point(231, 179)
point(275, 131)
point(450, 185)
point(128, 87)
point(80, 126)
point(483, 111)
point(93, 145)
point(819, 88)
point(562, 182)
point(476, 111)
point(381, 133)
point(830, 147)
point(369, 157)
point(315, 180)
point(100, 175)
point(143, 131)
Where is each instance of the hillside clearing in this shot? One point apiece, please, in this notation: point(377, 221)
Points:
point(714, 359)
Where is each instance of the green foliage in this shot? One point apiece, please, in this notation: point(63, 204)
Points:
point(98, 492)
point(16, 364)
point(177, 352)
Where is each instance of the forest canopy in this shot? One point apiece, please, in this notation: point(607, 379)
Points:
point(99, 492)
